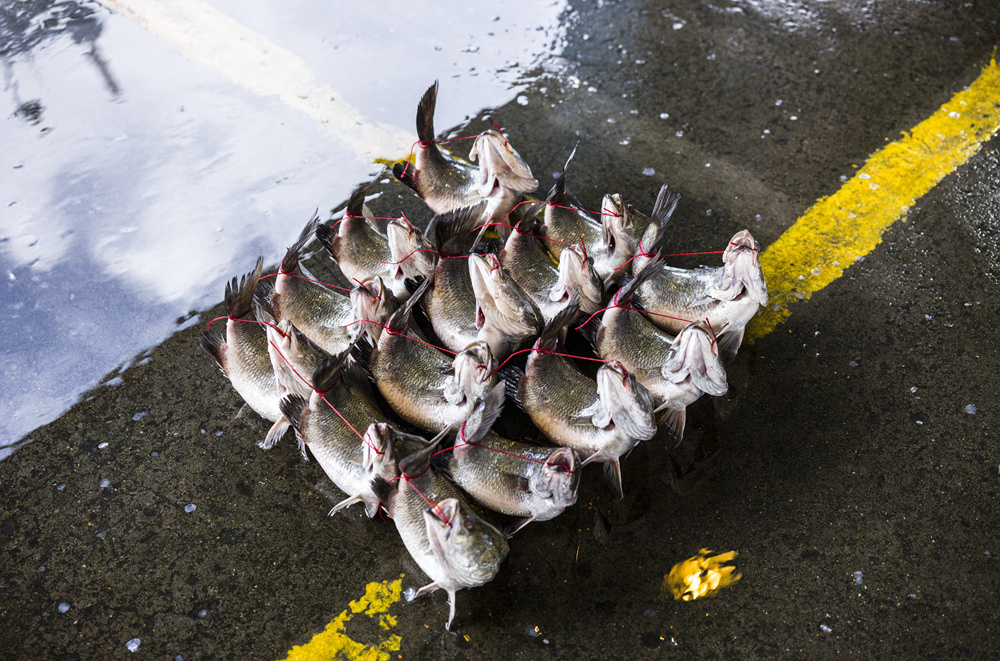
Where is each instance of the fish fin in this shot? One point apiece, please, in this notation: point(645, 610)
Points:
point(329, 240)
point(558, 190)
point(325, 376)
point(613, 469)
point(673, 421)
point(403, 171)
point(383, 490)
point(215, 347)
point(262, 298)
point(454, 229)
point(483, 416)
point(729, 343)
point(275, 433)
point(425, 114)
point(291, 407)
point(441, 463)
point(358, 378)
point(356, 203)
point(419, 461)
point(361, 353)
point(701, 300)
point(663, 209)
point(554, 329)
point(401, 317)
point(591, 331)
point(513, 377)
point(291, 258)
point(510, 532)
point(347, 502)
point(239, 296)
point(451, 609)
point(651, 268)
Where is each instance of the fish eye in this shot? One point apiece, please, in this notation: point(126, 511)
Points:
point(467, 522)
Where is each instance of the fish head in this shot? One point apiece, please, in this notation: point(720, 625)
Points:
point(373, 302)
point(500, 166)
point(468, 549)
point(473, 367)
point(742, 274)
point(577, 275)
point(624, 403)
point(695, 356)
point(376, 454)
point(614, 215)
point(412, 254)
point(558, 479)
point(504, 313)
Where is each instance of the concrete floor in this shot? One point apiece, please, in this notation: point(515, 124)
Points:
point(845, 445)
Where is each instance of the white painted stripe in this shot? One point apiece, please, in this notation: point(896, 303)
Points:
point(212, 38)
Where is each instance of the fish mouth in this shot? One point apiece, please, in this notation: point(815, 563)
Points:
point(614, 214)
point(626, 405)
point(500, 166)
point(696, 357)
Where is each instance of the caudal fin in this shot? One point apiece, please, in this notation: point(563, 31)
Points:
point(239, 295)
point(291, 258)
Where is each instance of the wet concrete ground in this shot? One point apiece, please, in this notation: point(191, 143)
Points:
point(845, 445)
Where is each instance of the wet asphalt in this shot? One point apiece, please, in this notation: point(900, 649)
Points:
point(847, 443)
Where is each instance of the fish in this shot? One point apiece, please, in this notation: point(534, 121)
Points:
point(676, 370)
point(506, 317)
point(320, 312)
point(452, 545)
point(412, 256)
point(421, 383)
point(358, 246)
point(514, 478)
point(551, 285)
point(243, 355)
point(451, 302)
point(602, 419)
point(329, 425)
point(726, 297)
point(447, 184)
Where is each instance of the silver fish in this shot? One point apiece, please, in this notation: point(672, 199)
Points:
point(451, 302)
point(330, 425)
point(675, 370)
point(359, 247)
point(506, 317)
point(411, 256)
point(414, 376)
point(551, 286)
point(628, 232)
point(601, 420)
point(453, 546)
point(243, 356)
point(318, 311)
point(726, 298)
point(447, 184)
point(510, 477)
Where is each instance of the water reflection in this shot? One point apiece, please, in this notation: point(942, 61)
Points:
point(136, 179)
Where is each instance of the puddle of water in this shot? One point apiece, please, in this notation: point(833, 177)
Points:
point(135, 180)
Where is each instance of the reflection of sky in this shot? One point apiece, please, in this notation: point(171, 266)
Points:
point(144, 186)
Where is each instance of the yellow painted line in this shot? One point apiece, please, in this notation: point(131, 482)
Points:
point(333, 643)
point(849, 224)
point(212, 38)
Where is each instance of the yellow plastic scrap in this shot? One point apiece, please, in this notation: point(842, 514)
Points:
point(701, 575)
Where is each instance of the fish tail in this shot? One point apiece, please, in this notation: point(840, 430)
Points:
point(329, 240)
point(403, 171)
point(554, 329)
point(663, 209)
point(454, 229)
point(239, 296)
point(291, 407)
point(291, 258)
point(215, 347)
point(425, 114)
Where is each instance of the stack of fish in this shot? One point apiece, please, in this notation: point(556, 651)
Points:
point(442, 327)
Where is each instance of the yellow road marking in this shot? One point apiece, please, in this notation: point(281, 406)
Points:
point(333, 643)
point(208, 36)
point(849, 224)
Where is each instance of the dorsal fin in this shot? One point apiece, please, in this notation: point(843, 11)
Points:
point(624, 295)
point(325, 376)
point(553, 330)
point(454, 229)
point(425, 114)
point(401, 317)
point(663, 209)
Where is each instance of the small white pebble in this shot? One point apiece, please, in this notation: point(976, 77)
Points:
point(133, 644)
point(825, 629)
point(913, 389)
point(794, 118)
point(105, 483)
point(679, 134)
point(102, 445)
point(649, 172)
point(522, 100)
point(954, 115)
point(60, 487)
point(864, 175)
point(858, 578)
point(778, 102)
point(664, 115)
point(190, 508)
point(63, 607)
point(970, 409)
